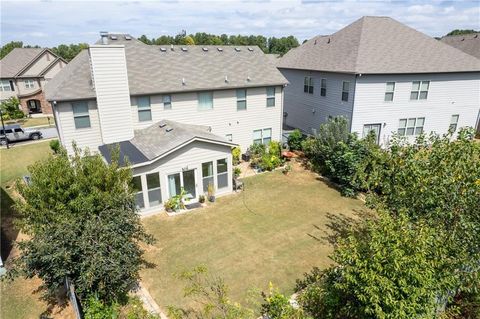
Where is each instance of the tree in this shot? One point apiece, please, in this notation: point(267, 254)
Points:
point(68, 52)
point(80, 216)
point(7, 48)
point(11, 109)
point(461, 31)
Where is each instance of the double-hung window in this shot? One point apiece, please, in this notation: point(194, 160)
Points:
point(345, 90)
point(222, 173)
point(205, 101)
point(270, 96)
point(389, 91)
point(323, 87)
point(154, 192)
point(207, 175)
point(144, 109)
point(241, 99)
point(308, 85)
point(137, 187)
point(454, 123)
point(229, 137)
point(411, 126)
point(419, 90)
point(81, 117)
point(167, 102)
point(29, 83)
point(262, 136)
point(5, 86)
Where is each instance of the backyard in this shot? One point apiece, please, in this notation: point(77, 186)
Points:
point(274, 231)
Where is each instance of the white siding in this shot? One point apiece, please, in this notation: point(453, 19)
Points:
point(110, 78)
point(189, 157)
point(224, 117)
point(85, 137)
point(448, 94)
point(307, 111)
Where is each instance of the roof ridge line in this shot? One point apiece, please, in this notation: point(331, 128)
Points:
point(359, 44)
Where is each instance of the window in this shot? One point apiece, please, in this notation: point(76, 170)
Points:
point(81, 116)
point(345, 90)
point(419, 90)
point(270, 97)
point(167, 102)
point(6, 86)
point(137, 186)
point(308, 85)
point(453, 123)
point(262, 136)
point(389, 90)
point(18, 130)
point(367, 128)
point(207, 175)
point(323, 87)
point(153, 186)
point(222, 173)
point(205, 100)
point(229, 137)
point(411, 126)
point(144, 109)
point(241, 99)
point(29, 84)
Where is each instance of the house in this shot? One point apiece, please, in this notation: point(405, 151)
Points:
point(23, 74)
point(382, 76)
point(468, 43)
point(174, 111)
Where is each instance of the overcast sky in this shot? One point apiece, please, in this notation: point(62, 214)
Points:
point(50, 22)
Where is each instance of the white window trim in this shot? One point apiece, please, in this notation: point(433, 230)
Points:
point(310, 84)
point(343, 91)
point(198, 101)
point(271, 97)
point(415, 126)
point(262, 137)
point(420, 90)
point(79, 115)
point(392, 91)
point(323, 87)
point(143, 109)
point(454, 123)
point(241, 99)
point(29, 83)
point(170, 102)
point(5, 84)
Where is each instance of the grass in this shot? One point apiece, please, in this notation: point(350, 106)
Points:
point(274, 231)
point(34, 121)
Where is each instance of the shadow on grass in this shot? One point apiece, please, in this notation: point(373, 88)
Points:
point(8, 231)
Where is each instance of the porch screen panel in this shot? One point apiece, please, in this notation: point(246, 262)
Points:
point(222, 173)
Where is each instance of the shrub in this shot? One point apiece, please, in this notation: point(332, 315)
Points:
point(11, 109)
point(94, 308)
point(236, 152)
point(295, 140)
point(237, 171)
point(277, 306)
point(55, 146)
point(274, 148)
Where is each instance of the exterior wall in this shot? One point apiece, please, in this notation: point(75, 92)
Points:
point(4, 95)
point(54, 70)
point(40, 64)
point(109, 69)
point(307, 111)
point(224, 117)
point(189, 157)
point(45, 106)
point(90, 137)
point(448, 94)
point(21, 89)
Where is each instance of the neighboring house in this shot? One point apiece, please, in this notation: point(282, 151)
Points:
point(382, 76)
point(23, 74)
point(175, 111)
point(468, 43)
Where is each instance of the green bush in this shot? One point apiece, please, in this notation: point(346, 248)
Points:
point(94, 308)
point(277, 306)
point(236, 152)
point(11, 109)
point(295, 140)
point(55, 146)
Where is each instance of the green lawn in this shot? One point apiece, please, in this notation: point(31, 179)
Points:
point(34, 121)
point(273, 231)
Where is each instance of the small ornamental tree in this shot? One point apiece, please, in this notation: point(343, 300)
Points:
point(11, 109)
point(80, 217)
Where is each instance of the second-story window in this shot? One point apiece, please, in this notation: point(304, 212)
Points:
point(389, 91)
point(81, 117)
point(270, 96)
point(308, 85)
point(144, 109)
point(345, 90)
point(167, 102)
point(241, 99)
point(323, 87)
point(6, 86)
point(419, 90)
point(29, 84)
point(205, 100)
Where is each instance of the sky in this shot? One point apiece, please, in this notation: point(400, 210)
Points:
point(50, 22)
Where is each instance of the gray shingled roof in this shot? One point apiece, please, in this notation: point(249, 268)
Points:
point(159, 139)
point(378, 45)
point(468, 43)
point(159, 69)
point(16, 60)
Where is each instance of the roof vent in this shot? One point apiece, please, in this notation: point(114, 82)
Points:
point(163, 49)
point(171, 47)
point(226, 79)
point(250, 49)
point(237, 49)
point(248, 78)
point(104, 37)
point(205, 49)
point(328, 41)
point(169, 129)
point(184, 49)
point(463, 39)
point(113, 37)
point(183, 81)
point(315, 43)
point(127, 37)
point(220, 49)
point(476, 36)
point(162, 124)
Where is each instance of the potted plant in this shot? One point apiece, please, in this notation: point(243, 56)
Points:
point(287, 169)
point(211, 192)
point(170, 205)
point(176, 202)
point(236, 172)
point(201, 199)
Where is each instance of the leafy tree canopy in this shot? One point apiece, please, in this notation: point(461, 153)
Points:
point(461, 31)
point(11, 109)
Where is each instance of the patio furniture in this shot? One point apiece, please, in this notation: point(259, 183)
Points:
point(237, 184)
point(246, 156)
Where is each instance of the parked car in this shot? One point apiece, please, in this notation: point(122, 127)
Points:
point(15, 133)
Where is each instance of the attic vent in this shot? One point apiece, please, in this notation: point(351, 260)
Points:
point(163, 49)
point(226, 79)
point(128, 38)
point(248, 78)
point(315, 43)
point(171, 47)
point(162, 124)
point(205, 49)
point(463, 39)
point(250, 49)
point(183, 81)
point(184, 49)
point(113, 37)
point(220, 49)
point(169, 129)
point(476, 36)
point(328, 41)
point(237, 49)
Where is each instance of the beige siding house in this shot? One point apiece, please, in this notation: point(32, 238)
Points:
point(175, 112)
point(23, 74)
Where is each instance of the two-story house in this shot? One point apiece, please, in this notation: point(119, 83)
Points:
point(23, 74)
point(174, 111)
point(382, 76)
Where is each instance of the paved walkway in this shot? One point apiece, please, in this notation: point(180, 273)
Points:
point(150, 304)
